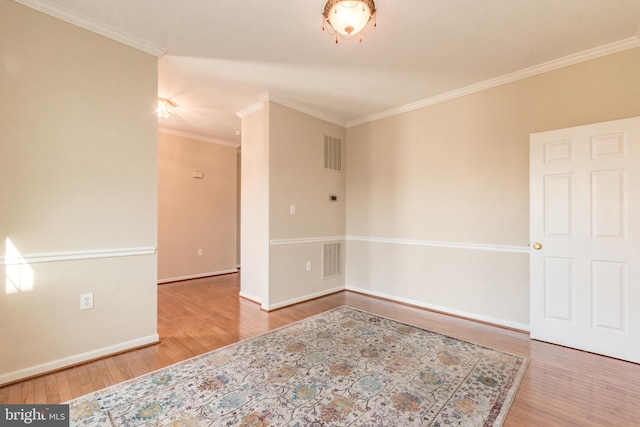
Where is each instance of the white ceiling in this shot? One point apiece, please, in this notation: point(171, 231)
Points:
point(221, 55)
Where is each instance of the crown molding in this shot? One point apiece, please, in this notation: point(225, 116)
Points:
point(94, 26)
point(250, 109)
point(265, 97)
point(587, 55)
point(195, 137)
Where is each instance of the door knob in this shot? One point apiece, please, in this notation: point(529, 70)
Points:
point(537, 246)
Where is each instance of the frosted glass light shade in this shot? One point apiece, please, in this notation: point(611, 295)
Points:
point(349, 17)
point(165, 107)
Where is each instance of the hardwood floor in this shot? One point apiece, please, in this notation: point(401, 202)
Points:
point(562, 387)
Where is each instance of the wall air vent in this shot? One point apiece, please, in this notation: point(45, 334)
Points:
point(332, 153)
point(331, 260)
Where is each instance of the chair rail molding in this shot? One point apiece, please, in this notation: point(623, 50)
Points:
point(26, 258)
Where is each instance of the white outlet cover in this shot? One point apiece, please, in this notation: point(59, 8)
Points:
point(86, 301)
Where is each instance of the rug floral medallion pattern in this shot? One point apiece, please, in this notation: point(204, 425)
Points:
point(344, 367)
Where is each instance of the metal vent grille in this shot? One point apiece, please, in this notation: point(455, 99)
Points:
point(332, 153)
point(331, 260)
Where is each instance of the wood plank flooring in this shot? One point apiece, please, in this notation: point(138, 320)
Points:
point(562, 387)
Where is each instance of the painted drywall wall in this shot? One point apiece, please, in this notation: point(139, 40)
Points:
point(196, 213)
point(78, 178)
point(254, 206)
point(238, 205)
point(283, 165)
point(457, 173)
point(297, 177)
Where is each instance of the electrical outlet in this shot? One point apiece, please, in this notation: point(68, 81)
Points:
point(199, 252)
point(86, 301)
point(308, 265)
point(292, 209)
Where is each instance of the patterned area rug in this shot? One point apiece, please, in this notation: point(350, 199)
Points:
point(344, 367)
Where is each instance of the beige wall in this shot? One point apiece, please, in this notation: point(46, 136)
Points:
point(78, 177)
point(297, 176)
point(238, 205)
point(195, 213)
point(458, 173)
point(254, 206)
point(283, 164)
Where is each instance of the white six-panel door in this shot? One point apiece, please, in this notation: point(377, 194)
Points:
point(585, 237)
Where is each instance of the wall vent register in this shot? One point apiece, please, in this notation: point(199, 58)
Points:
point(332, 153)
point(331, 260)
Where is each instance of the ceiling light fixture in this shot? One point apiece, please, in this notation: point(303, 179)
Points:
point(348, 18)
point(165, 107)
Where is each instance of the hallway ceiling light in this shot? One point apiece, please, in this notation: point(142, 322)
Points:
point(165, 107)
point(348, 18)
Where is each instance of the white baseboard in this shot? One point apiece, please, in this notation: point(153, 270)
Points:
point(76, 359)
point(251, 298)
point(302, 299)
point(197, 276)
point(446, 310)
